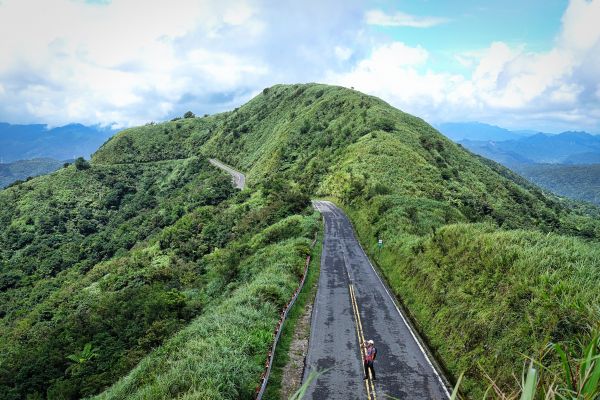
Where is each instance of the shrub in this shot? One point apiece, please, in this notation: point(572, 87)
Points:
point(81, 164)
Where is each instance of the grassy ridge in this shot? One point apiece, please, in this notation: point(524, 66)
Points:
point(476, 253)
point(221, 354)
point(402, 181)
point(281, 358)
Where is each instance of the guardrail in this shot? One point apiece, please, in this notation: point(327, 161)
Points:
point(264, 378)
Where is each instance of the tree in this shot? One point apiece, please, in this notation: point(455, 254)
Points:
point(189, 114)
point(79, 359)
point(81, 164)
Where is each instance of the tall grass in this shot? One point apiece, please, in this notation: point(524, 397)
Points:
point(484, 298)
point(578, 378)
point(282, 353)
point(221, 354)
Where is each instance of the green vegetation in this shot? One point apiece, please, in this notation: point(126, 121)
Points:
point(147, 259)
point(402, 181)
point(305, 297)
point(221, 354)
point(102, 264)
point(580, 182)
point(18, 171)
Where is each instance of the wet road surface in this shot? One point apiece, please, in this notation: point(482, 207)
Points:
point(353, 305)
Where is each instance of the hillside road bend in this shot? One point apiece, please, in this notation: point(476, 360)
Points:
point(239, 179)
point(353, 305)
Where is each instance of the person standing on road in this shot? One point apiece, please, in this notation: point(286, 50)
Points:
point(370, 355)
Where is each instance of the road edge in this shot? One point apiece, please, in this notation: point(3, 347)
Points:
point(429, 356)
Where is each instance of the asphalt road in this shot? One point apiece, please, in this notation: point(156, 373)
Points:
point(353, 305)
point(239, 180)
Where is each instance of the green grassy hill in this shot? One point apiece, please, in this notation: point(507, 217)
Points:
point(490, 268)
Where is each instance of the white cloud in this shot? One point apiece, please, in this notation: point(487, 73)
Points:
point(392, 72)
point(581, 30)
point(507, 85)
point(342, 53)
point(378, 17)
point(77, 62)
point(132, 61)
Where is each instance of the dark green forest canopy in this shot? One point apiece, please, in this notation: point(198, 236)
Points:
point(85, 252)
point(581, 182)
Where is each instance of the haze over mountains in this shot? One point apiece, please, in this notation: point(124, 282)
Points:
point(25, 142)
point(517, 147)
point(23, 169)
point(35, 149)
point(567, 163)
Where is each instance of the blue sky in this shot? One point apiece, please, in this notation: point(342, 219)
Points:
point(472, 25)
point(519, 64)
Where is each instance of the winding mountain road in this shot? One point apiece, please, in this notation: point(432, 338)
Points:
point(353, 305)
point(239, 179)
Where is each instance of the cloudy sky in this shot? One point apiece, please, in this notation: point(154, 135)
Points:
point(519, 64)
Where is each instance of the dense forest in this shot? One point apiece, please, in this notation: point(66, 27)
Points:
point(101, 263)
point(580, 182)
point(129, 271)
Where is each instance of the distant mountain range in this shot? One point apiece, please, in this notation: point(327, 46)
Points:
point(25, 142)
point(563, 148)
point(525, 147)
point(23, 169)
point(567, 163)
point(478, 131)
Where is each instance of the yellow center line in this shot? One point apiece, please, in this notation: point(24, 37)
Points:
point(361, 340)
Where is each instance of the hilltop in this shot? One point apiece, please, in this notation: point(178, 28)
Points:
point(467, 241)
point(489, 266)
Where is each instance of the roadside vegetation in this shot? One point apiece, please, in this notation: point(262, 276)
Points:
point(104, 264)
point(293, 329)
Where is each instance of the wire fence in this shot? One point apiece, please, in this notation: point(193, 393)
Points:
point(264, 378)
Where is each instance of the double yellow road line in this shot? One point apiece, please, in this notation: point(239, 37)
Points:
point(361, 341)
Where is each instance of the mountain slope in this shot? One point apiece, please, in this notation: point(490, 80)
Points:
point(489, 266)
point(580, 182)
point(402, 181)
point(100, 264)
